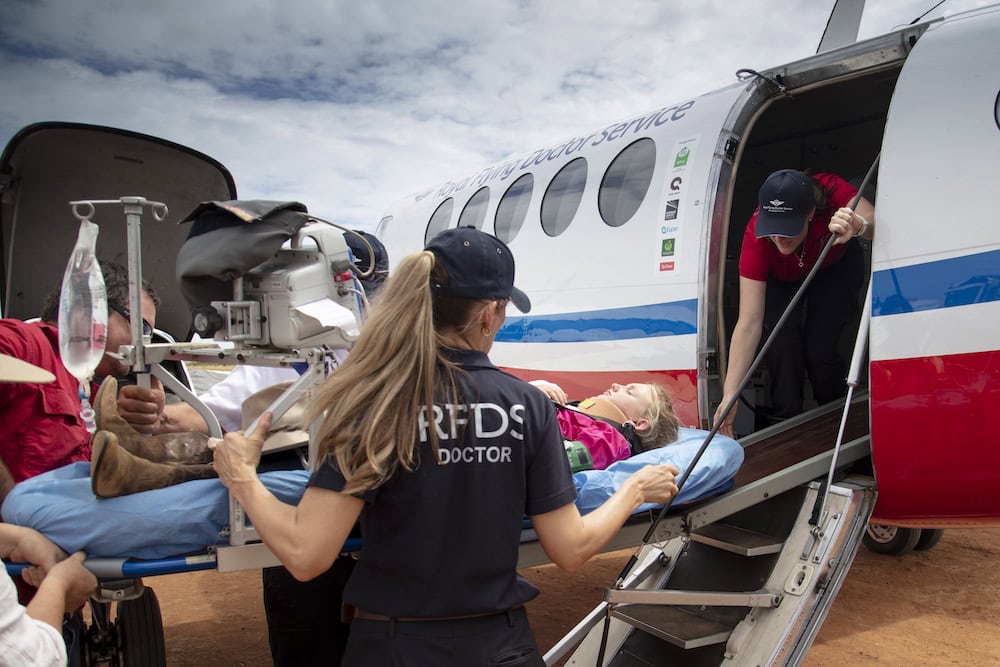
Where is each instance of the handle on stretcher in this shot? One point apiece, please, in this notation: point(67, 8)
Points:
point(122, 568)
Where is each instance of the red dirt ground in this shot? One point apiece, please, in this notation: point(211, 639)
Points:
point(937, 607)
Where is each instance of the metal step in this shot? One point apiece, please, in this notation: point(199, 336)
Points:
point(737, 540)
point(679, 627)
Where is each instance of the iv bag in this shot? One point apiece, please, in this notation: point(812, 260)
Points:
point(83, 307)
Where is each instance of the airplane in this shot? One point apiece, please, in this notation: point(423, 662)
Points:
point(627, 238)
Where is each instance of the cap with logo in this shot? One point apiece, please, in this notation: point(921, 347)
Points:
point(785, 200)
point(15, 370)
point(479, 266)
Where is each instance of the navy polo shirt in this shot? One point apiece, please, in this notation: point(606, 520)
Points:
point(442, 539)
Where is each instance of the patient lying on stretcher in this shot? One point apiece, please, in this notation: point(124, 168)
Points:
point(186, 518)
point(623, 421)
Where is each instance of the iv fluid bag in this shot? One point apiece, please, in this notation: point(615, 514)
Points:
point(83, 307)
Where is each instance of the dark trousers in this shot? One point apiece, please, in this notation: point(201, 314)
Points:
point(303, 618)
point(808, 340)
point(73, 631)
point(503, 639)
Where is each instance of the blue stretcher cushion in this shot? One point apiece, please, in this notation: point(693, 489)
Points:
point(713, 474)
point(187, 518)
point(179, 519)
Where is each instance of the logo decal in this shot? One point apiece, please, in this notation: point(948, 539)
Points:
point(667, 247)
point(681, 159)
point(671, 212)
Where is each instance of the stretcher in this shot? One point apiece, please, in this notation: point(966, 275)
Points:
point(183, 527)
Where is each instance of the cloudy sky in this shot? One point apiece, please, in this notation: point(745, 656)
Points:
point(350, 106)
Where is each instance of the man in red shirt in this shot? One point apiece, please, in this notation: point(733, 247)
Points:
point(796, 215)
point(41, 423)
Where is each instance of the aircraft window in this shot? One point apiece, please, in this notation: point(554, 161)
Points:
point(562, 198)
point(626, 182)
point(513, 208)
point(996, 110)
point(440, 220)
point(474, 213)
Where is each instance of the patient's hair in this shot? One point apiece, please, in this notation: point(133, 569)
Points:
point(372, 404)
point(662, 420)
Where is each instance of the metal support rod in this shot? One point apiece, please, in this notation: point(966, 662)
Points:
point(576, 635)
point(186, 395)
point(133, 216)
point(860, 344)
point(313, 375)
point(239, 532)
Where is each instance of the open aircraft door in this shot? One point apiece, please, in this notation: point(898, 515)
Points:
point(935, 367)
point(47, 165)
point(43, 168)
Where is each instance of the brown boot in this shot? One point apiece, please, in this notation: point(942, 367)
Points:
point(114, 472)
point(186, 447)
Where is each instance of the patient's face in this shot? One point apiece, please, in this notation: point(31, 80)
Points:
point(634, 399)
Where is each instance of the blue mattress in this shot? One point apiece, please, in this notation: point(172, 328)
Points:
point(189, 517)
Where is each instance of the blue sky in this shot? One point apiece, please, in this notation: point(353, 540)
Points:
point(350, 106)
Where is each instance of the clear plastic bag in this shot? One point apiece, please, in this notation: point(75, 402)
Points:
point(83, 314)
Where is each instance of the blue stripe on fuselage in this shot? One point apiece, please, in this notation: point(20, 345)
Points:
point(959, 281)
point(657, 319)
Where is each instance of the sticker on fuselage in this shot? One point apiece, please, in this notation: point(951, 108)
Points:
point(681, 160)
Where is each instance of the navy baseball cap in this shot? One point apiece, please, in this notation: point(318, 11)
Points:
point(479, 266)
point(784, 203)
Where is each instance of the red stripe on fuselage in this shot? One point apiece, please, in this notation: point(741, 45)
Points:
point(936, 438)
point(682, 386)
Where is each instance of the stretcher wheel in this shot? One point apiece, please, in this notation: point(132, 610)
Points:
point(140, 632)
point(891, 540)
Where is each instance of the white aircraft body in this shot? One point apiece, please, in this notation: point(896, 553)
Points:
point(627, 239)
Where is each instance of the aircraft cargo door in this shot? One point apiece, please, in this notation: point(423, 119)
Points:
point(935, 364)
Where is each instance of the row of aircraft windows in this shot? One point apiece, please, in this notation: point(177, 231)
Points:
point(623, 189)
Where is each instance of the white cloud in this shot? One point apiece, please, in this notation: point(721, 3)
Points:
point(348, 106)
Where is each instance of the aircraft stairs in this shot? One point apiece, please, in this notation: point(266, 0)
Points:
point(743, 578)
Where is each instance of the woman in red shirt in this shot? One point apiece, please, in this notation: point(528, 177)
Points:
point(796, 215)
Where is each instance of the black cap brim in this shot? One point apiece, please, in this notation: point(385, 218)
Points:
point(520, 300)
point(779, 225)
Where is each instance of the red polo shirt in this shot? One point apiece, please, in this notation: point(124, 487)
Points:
point(760, 259)
point(40, 425)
